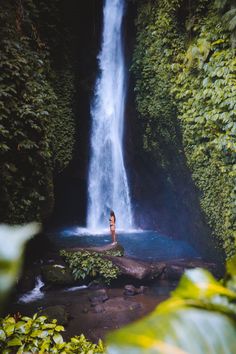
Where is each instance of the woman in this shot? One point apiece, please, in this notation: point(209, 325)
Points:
point(113, 226)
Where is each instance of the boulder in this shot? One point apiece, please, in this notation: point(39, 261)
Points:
point(99, 249)
point(99, 308)
point(57, 312)
point(26, 282)
point(98, 296)
point(57, 275)
point(130, 290)
point(137, 269)
point(175, 269)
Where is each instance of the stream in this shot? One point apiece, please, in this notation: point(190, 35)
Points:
point(72, 305)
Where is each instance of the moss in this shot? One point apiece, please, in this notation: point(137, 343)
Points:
point(37, 126)
point(185, 72)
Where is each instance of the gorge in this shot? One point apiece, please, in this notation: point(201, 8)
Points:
point(124, 105)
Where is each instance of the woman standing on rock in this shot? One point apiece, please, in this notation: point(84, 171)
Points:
point(113, 226)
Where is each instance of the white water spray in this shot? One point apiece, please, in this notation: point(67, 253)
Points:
point(107, 182)
point(34, 294)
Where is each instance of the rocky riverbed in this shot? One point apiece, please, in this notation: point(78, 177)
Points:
point(90, 307)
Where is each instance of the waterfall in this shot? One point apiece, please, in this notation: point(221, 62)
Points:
point(107, 181)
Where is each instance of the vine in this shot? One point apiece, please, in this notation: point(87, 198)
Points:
point(36, 123)
point(185, 68)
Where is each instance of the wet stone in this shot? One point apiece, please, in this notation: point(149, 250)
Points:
point(57, 312)
point(130, 290)
point(98, 296)
point(99, 309)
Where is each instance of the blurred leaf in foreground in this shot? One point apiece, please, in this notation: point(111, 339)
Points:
point(198, 318)
point(12, 242)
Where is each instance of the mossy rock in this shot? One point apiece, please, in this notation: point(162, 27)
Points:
point(117, 247)
point(57, 312)
point(57, 275)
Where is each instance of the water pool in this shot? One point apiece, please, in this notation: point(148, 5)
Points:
point(143, 245)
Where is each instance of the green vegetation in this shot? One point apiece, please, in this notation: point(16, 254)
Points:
point(157, 44)
point(198, 318)
point(185, 67)
point(91, 264)
point(36, 120)
point(12, 242)
point(21, 334)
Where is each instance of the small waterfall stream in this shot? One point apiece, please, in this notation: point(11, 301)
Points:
point(34, 294)
point(107, 181)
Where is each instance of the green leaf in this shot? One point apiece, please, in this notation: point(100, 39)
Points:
point(57, 338)
point(59, 328)
point(179, 332)
point(2, 335)
point(199, 283)
point(231, 266)
point(14, 342)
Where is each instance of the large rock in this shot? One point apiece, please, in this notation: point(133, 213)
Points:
point(57, 275)
point(175, 269)
point(98, 296)
point(99, 249)
point(57, 312)
point(131, 290)
point(137, 269)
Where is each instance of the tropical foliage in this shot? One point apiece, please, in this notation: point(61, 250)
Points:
point(198, 318)
point(23, 334)
point(185, 67)
point(36, 120)
point(90, 264)
point(12, 242)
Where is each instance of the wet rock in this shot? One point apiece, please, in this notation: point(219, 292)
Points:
point(56, 312)
point(100, 249)
point(27, 282)
point(135, 306)
point(175, 269)
point(173, 272)
point(130, 290)
point(137, 269)
point(142, 289)
point(99, 308)
point(57, 275)
point(95, 285)
point(98, 296)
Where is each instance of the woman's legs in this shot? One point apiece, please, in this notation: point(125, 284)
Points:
point(113, 235)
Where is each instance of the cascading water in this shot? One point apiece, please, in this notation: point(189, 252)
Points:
point(107, 181)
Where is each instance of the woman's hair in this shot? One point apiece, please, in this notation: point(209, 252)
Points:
point(113, 214)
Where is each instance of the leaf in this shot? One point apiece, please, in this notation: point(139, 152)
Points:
point(9, 329)
point(231, 266)
point(179, 332)
point(12, 241)
point(14, 342)
point(59, 328)
point(58, 338)
point(36, 333)
point(199, 283)
point(2, 335)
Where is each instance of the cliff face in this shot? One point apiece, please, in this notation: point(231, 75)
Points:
point(180, 115)
point(48, 62)
point(37, 119)
point(184, 69)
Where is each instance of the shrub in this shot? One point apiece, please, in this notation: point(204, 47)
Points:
point(90, 264)
point(37, 335)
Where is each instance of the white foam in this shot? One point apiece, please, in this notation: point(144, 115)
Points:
point(75, 288)
point(34, 294)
